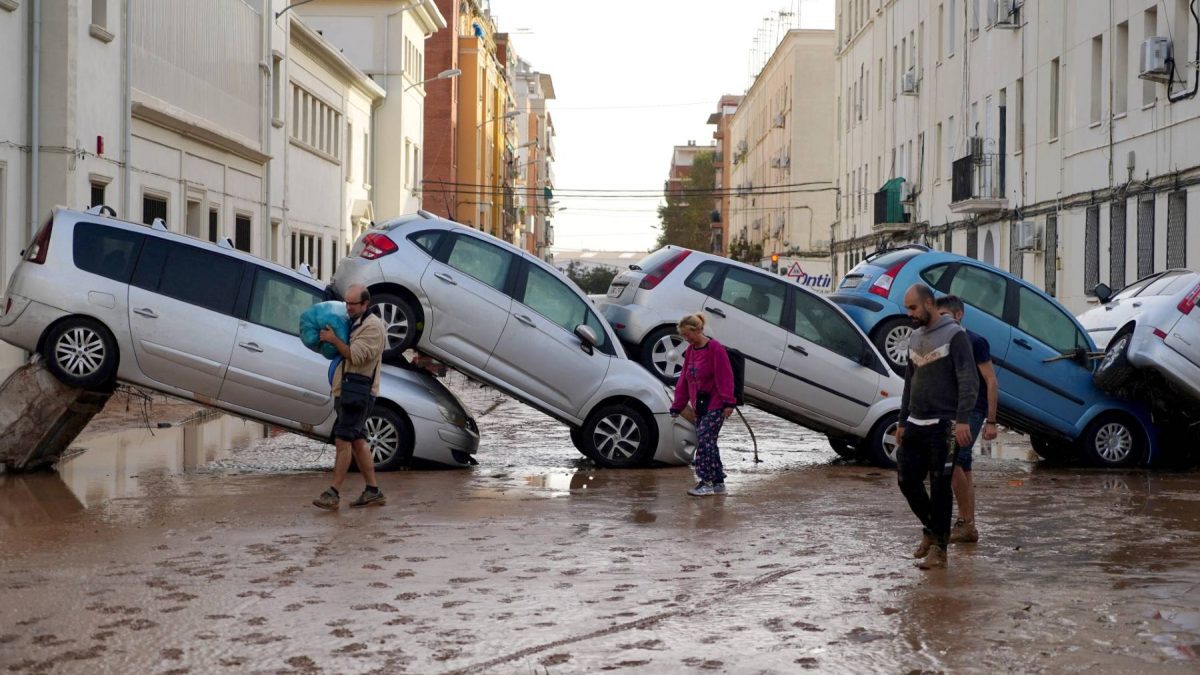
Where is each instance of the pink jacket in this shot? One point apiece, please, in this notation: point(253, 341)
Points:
point(705, 370)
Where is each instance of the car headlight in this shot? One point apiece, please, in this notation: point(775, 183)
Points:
point(455, 417)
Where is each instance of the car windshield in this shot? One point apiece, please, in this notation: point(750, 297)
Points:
point(1169, 283)
point(651, 263)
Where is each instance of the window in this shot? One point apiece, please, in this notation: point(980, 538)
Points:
point(975, 16)
point(153, 207)
point(277, 302)
point(1020, 121)
point(941, 32)
point(107, 251)
point(214, 224)
point(97, 196)
point(348, 157)
point(1097, 76)
point(1051, 256)
point(1120, 71)
point(304, 250)
point(1145, 236)
point(951, 28)
point(755, 294)
point(1043, 320)
point(549, 296)
point(937, 159)
point(980, 288)
point(815, 321)
point(1116, 245)
point(241, 232)
point(315, 123)
point(100, 13)
point(1054, 99)
point(1091, 250)
point(934, 275)
point(427, 241)
point(1150, 29)
point(277, 89)
point(702, 277)
point(189, 274)
point(1177, 229)
point(366, 158)
point(481, 260)
point(973, 242)
point(950, 145)
point(1016, 258)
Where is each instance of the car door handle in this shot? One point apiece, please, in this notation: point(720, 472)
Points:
point(714, 310)
point(146, 312)
point(250, 346)
point(1022, 342)
point(446, 278)
point(1137, 304)
point(798, 348)
point(524, 319)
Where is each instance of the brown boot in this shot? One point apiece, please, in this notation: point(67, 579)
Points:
point(923, 548)
point(935, 560)
point(964, 532)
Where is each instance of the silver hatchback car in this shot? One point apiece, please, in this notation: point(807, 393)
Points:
point(506, 318)
point(806, 361)
point(100, 298)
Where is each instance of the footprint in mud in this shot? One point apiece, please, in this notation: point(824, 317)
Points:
point(49, 640)
point(351, 648)
point(256, 621)
point(294, 607)
point(33, 621)
point(775, 625)
point(377, 584)
point(862, 635)
point(178, 596)
point(257, 638)
point(171, 654)
point(113, 609)
point(655, 645)
point(554, 660)
point(574, 571)
point(446, 653)
point(264, 595)
point(404, 574)
point(805, 626)
point(454, 603)
point(626, 664)
point(342, 633)
point(703, 664)
point(103, 635)
point(9, 637)
point(690, 568)
point(408, 596)
point(131, 624)
point(496, 569)
point(807, 662)
point(301, 663)
point(371, 566)
point(172, 610)
point(465, 580)
point(232, 661)
point(538, 570)
point(378, 607)
point(399, 621)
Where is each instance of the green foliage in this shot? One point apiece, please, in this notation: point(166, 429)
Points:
point(747, 253)
point(594, 280)
point(685, 220)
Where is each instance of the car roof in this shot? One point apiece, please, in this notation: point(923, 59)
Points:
point(744, 265)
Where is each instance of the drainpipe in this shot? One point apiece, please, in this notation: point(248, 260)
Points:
point(267, 113)
point(127, 109)
point(1184, 95)
point(35, 112)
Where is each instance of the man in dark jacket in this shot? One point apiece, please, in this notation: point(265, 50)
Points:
point(941, 383)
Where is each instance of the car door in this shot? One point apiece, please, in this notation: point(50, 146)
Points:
point(746, 312)
point(181, 306)
point(1042, 330)
point(985, 295)
point(271, 372)
point(539, 353)
point(822, 371)
point(467, 287)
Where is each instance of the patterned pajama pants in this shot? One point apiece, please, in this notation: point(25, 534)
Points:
point(708, 456)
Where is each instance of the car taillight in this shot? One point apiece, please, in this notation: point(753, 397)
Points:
point(40, 246)
point(1160, 334)
point(377, 245)
point(652, 279)
point(1188, 303)
point(883, 285)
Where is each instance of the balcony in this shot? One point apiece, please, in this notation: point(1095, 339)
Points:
point(978, 184)
point(890, 214)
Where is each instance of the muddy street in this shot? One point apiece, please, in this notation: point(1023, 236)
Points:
point(194, 549)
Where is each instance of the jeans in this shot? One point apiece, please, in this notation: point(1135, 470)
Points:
point(929, 452)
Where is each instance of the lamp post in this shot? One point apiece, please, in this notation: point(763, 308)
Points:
point(444, 75)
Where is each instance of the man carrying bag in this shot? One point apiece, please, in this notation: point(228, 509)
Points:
point(355, 386)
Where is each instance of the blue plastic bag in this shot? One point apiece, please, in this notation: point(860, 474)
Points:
point(332, 314)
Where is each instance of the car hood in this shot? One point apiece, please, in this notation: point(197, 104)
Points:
point(418, 392)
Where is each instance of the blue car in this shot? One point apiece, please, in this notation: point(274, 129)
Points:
point(1043, 356)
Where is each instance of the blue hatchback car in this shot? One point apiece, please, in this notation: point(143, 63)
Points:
point(1041, 353)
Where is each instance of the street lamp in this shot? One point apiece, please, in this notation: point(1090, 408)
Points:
point(444, 75)
point(506, 116)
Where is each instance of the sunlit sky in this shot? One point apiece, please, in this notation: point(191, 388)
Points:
point(632, 80)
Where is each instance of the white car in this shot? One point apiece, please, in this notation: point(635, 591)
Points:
point(508, 319)
point(102, 298)
point(1152, 326)
point(806, 361)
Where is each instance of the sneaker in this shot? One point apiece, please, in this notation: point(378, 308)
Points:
point(935, 560)
point(718, 488)
point(922, 549)
point(964, 532)
point(328, 501)
point(369, 498)
point(702, 489)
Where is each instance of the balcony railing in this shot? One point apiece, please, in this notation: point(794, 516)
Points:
point(977, 184)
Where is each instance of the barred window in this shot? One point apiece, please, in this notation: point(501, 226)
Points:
point(948, 245)
point(1091, 250)
point(1145, 237)
point(1051, 255)
point(316, 123)
point(1177, 230)
point(973, 242)
point(1116, 246)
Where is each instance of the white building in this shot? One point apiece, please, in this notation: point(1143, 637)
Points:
point(534, 158)
point(781, 145)
point(1019, 132)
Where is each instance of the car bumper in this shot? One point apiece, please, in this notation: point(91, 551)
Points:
point(1146, 350)
point(437, 441)
point(676, 440)
point(26, 321)
point(632, 322)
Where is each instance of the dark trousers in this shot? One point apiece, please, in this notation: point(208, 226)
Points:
point(929, 451)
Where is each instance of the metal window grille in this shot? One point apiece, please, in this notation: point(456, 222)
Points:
point(1177, 229)
point(1051, 255)
point(1145, 237)
point(1091, 250)
point(1016, 258)
point(1116, 246)
point(973, 243)
point(948, 244)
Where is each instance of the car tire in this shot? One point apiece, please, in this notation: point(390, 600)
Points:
point(1050, 449)
point(843, 447)
point(1114, 370)
point(617, 436)
point(81, 353)
point(662, 354)
point(880, 445)
point(401, 321)
point(390, 437)
point(577, 441)
point(891, 337)
point(1113, 441)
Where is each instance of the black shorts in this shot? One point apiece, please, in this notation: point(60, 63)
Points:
point(351, 422)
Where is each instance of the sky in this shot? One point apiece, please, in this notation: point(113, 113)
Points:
point(632, 80)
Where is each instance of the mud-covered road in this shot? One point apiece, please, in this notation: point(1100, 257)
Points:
point(195, 549)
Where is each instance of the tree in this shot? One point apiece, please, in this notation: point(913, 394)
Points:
point(685, 218)
point(594, 280)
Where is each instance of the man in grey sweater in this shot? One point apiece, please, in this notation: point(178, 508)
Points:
point(940, 386)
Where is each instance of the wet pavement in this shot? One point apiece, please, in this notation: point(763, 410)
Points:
point(194, 549)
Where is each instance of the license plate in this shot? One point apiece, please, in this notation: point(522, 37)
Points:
point(615, 291)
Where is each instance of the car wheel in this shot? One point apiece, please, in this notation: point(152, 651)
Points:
point(390, 437)
point(81, 353)
point(1114, 369)
point(577, 441)
point(881, 446)
point(892, 340)
point(662, 354)
point(400, 319)
point(1049, 449)
point(617, 436)
point(1112, 441)
point(844, 448)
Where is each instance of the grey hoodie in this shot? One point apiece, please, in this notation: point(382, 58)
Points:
point(941, 381)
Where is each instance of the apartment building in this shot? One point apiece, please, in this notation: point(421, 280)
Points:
point(1056, 139)
point(533, 158)
point(722, 163)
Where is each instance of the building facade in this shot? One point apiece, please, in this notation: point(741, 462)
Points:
point(533, 158)
point(1055, 139)
point(723, 164)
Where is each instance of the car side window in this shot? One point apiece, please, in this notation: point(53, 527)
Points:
point(106, 251)
point(935, 275)
point(756, 294)
point(817, 322)
point(277, 302)
point(702, 277)
point(481, 260)
point(428, 240)
point(190, 274)
point(554, 300)
point(980, 288)
point(1043, 320)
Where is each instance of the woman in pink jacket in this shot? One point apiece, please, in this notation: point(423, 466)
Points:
point(704, 396)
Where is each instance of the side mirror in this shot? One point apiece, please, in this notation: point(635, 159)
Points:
point(1103, 293)
point(1083, 357)
point(587, 337)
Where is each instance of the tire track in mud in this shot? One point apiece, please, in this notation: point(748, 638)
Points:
point(644, 622)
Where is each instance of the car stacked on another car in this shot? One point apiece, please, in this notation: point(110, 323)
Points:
point(508, 319)
point(1043, 356)
point(100, 298)
point(805, 360)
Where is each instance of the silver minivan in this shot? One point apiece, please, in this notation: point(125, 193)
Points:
point(100, 298)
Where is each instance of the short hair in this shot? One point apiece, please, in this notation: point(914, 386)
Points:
point(693, 321)
point(363, 294)
point(952, 303)
point(923, 292)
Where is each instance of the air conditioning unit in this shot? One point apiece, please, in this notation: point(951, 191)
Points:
point(1029, 236)
point(778, 121)
point(1004, 13)
point(784, 161)
point(908, 83)
point(907, 189)
point(1156, 55)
